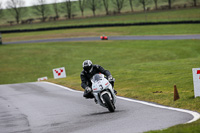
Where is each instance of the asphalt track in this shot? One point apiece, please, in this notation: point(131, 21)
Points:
point(161, 37)
point(42, 107)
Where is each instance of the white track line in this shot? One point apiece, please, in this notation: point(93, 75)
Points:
point(195, 115)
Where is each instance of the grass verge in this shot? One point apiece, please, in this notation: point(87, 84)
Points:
point(140, 68)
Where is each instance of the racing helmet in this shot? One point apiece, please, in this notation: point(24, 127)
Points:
point(87, 65)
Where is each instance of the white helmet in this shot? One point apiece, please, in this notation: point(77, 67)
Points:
point(87, 65)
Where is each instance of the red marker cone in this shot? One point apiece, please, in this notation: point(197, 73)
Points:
point(176, 95)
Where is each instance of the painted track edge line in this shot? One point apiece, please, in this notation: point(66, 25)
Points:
point(195, 115)
point(66, 88)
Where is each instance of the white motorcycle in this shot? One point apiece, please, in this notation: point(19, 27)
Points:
point(103, 92)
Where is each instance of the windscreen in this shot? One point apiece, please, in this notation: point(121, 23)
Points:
point(97, 77)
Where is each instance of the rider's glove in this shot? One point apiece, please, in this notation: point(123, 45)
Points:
point(88, 89)
point(111, 79)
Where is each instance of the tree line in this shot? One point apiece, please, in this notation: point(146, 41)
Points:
point(18, 11)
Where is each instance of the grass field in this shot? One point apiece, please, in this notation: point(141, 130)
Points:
point(181, 29)
point(140, 68)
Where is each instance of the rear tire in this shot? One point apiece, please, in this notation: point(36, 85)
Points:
point(108, 103)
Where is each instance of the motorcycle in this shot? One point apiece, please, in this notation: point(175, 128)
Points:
point(103, 92)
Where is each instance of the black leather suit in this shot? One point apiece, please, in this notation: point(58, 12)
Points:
point(86, 77)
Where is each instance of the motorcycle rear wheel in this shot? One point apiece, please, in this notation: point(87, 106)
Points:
point(108, 103)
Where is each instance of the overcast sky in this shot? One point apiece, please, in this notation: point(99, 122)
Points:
point(32, 2)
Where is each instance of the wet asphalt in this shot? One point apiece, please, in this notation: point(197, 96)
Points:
point(38, 107)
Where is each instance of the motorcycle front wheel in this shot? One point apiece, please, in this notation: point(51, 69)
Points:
point(108, 103)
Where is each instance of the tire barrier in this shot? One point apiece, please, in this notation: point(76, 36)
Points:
point(0, 39)
point(101, 25)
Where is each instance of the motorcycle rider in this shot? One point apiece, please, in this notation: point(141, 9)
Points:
point(89, 70)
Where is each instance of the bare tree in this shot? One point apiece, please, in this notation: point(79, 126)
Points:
point(144, 3)
point(170, 3)
point(16, 9)
point(42, 10)
point(82, 6)
point(106, 5)
point(118, 4)
point(131, 5)
point(68, 6)
point(93, 5)
point(55, 8)
point(156, 4)
point(194, 2)
point(1, 10)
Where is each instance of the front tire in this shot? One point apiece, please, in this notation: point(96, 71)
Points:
point(108, 103)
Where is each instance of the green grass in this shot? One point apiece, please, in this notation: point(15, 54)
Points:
point(183, 128)
point(181, 29)
point(140, 68)
point(158, 16)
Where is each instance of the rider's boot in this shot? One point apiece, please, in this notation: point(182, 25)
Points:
point(115, 91)
point(112, 83)
point(95, 100)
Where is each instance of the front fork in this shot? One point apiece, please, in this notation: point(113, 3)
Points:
point(103, 93)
